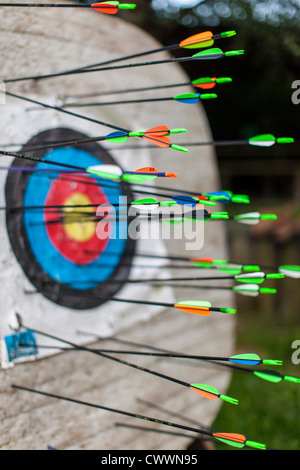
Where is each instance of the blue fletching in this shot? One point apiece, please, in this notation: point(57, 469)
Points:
point(245, 362)
point(221, 194)
point(185, 200)
point(189, 98)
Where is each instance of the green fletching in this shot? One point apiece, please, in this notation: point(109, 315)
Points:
point(268, 217)
point(198, 81)
point(289, 378)
point(219, 215)
point(208, 96)
point(202, 264)
point(137, 178)
point(227, 310)
point(179, 148)
point(246, 357)
point(213, 51)
point(230, 271)
point(217, 262)
point(254, 280)
point(275, 276)
point(272, 362)
point(228, 34)
point(195, 303)
point(267, 290)
point(206, 388)
point(118, 140)
point(291, 267)
point(240, 199)
point(234, 53)
point(146, 200)
point(284, 140)
point(251, 267)
point(185, 96)
point(234, 401)
point(239, 445)
point(256, 445)
point(269, 377)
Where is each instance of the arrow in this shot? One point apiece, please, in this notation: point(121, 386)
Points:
point(254, 141)
point(268, 375)
point(197, 307)
point(271, 376)
point(232, 439)
point(256, 277)
point(292, 271)
point(113, 172)
point(205, 36)
point(252, 218)
point(245, 358)
point(108, 7)
point(171, 218)
point(187, 98)
point(201, 82)
point(202, 389)
point(156, 135)
point(208, 54)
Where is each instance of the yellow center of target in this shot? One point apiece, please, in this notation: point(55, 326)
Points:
point(77, 221)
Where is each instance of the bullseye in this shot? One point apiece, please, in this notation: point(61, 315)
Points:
point(63, 248)
point(74, 233)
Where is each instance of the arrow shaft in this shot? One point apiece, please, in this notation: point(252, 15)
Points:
point(114, 67)
point(114, 410)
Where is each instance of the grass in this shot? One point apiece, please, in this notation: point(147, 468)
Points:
point(267, 412)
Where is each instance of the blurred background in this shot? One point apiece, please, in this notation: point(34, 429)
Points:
point(262, 98)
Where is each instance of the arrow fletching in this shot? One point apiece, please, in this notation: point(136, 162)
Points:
point(198, 40)
point(148, 204)
point(117, 137)
point(290, 270)
point(197, 307)
point(207, 83)
point(214, 53)
point(106, 171)
point(111, 7)
point(232, 439)
point(253, 290)
point(186, 200)
point(253, 218)
point(211, 393)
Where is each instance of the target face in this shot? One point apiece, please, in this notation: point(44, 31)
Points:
point(56, 242)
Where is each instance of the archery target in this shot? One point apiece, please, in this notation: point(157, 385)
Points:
point(58, 254)
point(26, 260)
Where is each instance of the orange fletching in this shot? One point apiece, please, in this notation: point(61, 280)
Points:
point(207, 85)
point(147, 169)
point(158, 131)
point(201, 37)
point(231, 436)
point(202, 260)
point(204, 393)
point(193, 309)
point(160, 141)
point(107, 8)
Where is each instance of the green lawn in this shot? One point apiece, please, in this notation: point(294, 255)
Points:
point(267, 412)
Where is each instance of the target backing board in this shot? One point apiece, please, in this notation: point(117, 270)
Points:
point(44, 265)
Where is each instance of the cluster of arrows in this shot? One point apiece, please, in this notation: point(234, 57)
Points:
point(248, 279)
